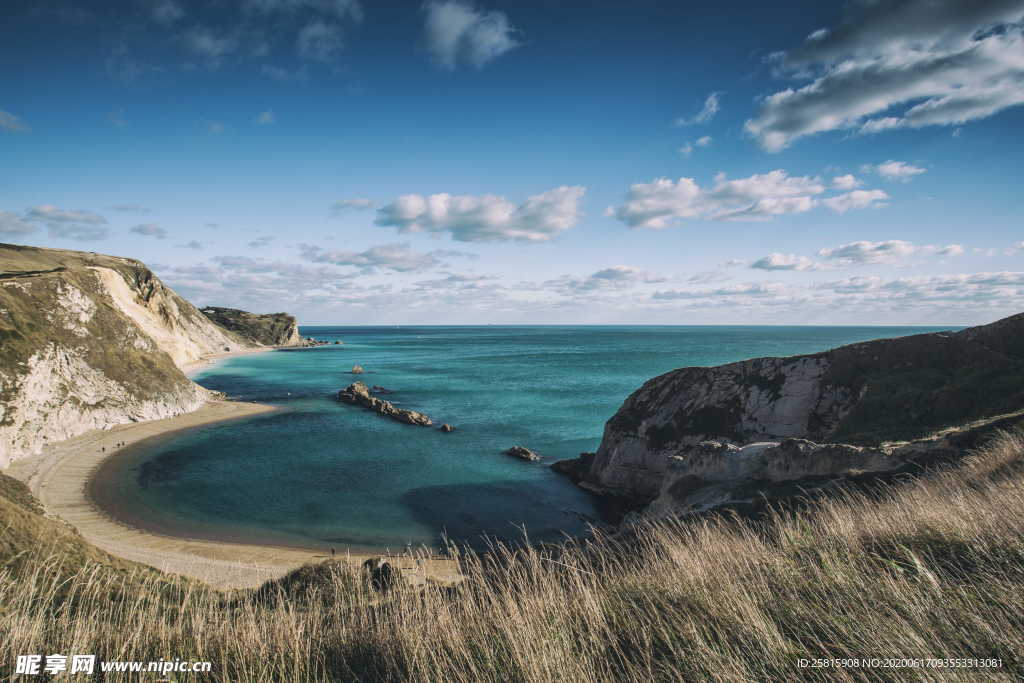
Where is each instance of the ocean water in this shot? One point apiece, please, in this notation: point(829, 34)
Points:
point(318, 473)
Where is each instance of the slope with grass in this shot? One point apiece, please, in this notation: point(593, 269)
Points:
point(88, 341)
point(267, 329)
point(702, 436)
point(931, 568)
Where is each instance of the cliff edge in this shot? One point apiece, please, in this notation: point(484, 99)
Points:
point(698, 437)
point(89, 341)
point(271, 329)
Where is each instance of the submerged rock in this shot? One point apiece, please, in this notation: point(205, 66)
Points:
point(378, 389)
point(447, 428)
point(357, 369)
point(523, 453)
point(358, 393)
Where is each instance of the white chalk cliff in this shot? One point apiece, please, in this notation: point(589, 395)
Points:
point(701, 437)
point(90, 341)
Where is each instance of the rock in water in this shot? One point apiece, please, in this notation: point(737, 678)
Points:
point(357, 369)
point(447, 428)
point(523, 453)
point(378, 389)
point(358, 394)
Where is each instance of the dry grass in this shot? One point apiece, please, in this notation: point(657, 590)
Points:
point(932, 568)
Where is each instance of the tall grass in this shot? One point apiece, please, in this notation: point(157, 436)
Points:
point(932, 568)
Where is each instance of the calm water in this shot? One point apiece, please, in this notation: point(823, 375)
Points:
point(321, 473)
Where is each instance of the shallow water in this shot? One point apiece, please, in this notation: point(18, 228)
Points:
point(319, 473)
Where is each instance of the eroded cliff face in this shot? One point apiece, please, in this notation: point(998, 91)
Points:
point(269, 329)
point(90, 341)
point(695, 437)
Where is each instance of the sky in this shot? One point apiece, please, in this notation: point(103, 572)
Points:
point(450, 162)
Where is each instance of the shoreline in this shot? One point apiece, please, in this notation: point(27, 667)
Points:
point(193, 368)
point(61, 478)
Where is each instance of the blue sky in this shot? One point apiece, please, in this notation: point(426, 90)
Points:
point(448, 162)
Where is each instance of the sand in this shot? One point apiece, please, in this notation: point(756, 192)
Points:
point(60, 475)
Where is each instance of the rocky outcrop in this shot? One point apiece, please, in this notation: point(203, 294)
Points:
point(447, 428)
point(270, 329)
point(523, 453)
point(695, 434)
point(358, 393)
point(90, 341)
point(357, 369)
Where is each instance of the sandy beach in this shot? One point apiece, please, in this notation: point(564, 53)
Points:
point(60, 475)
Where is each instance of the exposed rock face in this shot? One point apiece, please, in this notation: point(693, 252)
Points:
point(358, 393)
point(90, 341)
point(357, 369)
point(849, 401)
point(447, 428)
point(271, 329)
point(523, 453)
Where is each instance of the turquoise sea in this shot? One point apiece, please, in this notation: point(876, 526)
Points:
point(318, 473)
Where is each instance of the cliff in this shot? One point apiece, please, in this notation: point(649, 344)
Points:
point(698, 437)
point(271, 329)
point(88, 341)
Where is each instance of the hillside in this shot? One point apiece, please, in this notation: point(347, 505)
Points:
point(699, 437)
point(88, 341)
point(271, 329)
point(931, 568)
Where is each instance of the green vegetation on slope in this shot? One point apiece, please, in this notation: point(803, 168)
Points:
point(930, 568)
point(270, 329)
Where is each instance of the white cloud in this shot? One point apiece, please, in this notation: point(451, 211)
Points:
point(261, 242)
point(661, 202)
point(149, 230)
point(356, 204)
point(777, 261)
point(687, 149)
point(265, 118)
point(319, 41)
point(707, 112)
point(889, 251)
point(215, 127)
point(166, 11)
point(900, 64)
point(858, 199)
point(48, 213)
point(458, 33)
point(12, 224)
point(129, 208)
point(12, 124)
point(897, 170)
point(205, 43)
point(69, 224)
point(194, 244)
point(749, 289)
point(396, 257)
point(846, 182)
point(486, 217)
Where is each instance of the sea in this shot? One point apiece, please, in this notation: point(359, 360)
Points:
point(318, 473)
